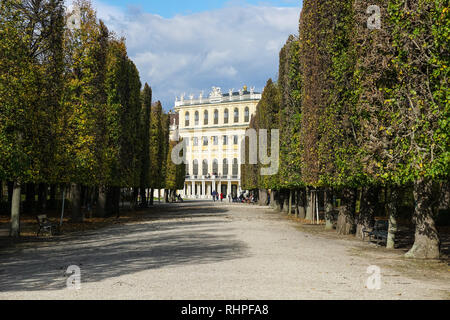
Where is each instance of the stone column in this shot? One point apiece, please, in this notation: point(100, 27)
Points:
point(203, 189)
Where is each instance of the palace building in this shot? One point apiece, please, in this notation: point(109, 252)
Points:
point(213, 128)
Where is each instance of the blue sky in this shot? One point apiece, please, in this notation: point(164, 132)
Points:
point(171, 8)
point(187, 47)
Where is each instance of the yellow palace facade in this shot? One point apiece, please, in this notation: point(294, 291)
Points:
point(213, 128)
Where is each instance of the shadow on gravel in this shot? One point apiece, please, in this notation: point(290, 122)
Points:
point(175, 239)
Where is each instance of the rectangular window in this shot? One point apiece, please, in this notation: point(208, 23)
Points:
point(195, 141)
point(216, 141)
point(205, 141)
point(235, 140)
point(225, 140)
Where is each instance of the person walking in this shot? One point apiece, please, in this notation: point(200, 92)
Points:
point(221, 197)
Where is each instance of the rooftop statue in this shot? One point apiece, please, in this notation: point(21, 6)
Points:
point(216, 93)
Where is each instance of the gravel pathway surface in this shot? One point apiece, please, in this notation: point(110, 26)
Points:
point(201, 250)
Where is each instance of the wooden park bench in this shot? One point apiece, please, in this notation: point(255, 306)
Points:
point(379, 232)
point(4, 231)
point(45, 225)
point(333, 217)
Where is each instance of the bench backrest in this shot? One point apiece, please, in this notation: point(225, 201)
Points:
point(381, 225)
point(41, 218)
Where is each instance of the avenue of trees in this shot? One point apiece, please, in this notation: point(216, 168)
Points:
point(364, 117)
point(73, 114)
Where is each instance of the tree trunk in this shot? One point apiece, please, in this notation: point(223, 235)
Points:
point(285, 202)
point(302, 204)
point(77, 214)
point(290, 202)
point(174, 196)
point(151, 196)
point(272, 199)
point(90, 201)
point(15, 210)
point(309, 206)
point(116, 203)
point(328, 199)
point(392, 206)
point(427, 241)
point(10, 194)
point(30, 198)
point(263, 197)
point(166, 195)
point(346, 219)
point(101, 202)
point(444, 201)
point(42, 197)
point(144, 202)
point(367, 211)
point(278, 201)
point(134, 201)
point(52, 202)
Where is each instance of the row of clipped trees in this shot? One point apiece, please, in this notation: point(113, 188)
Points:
point(363, 115)
point(73, 112)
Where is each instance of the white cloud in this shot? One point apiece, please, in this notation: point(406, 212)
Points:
point(227, 47)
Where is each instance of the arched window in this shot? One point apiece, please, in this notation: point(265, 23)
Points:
point(235, 167)
point(215, 167)
point(205, 167)
point(186, 119)
point(195, 167)
point(216, 116)
point(247, 115)
point(236, 115)
point(206, 118)
point(197, 118)
point(225, 167)
point(226, 116)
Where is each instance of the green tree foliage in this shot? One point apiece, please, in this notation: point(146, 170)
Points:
point(146, 97)
point(289, 82)
point(174, 174)
point(165, 125)
point(249, 172)
point(157, 141)
point(81, 129)
point(31, 63)
point(267, 117)
point(404, 106)
point(364, 108)
point(123, 118)
point(30, 86)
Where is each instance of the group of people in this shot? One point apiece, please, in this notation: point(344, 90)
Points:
point(246, 198)
point(243, 198)
point(217, 195)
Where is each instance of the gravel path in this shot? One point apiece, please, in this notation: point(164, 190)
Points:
point(200, 250)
